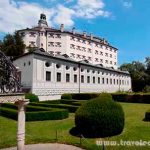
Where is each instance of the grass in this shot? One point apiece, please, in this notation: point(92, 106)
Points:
point(45, 131)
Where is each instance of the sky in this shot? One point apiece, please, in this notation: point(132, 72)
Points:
point(124, 23)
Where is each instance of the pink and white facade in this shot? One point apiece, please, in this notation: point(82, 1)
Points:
point(78, 46)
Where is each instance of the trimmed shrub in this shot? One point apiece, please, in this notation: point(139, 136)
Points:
point(70, 108)
point(84, 96)
point(66, 96)
point(32, 97)
point(146, 88)
point(147, 115)
point(34, 113)
point(132, 98)
point(100, 117)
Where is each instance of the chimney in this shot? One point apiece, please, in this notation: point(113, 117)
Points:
point(84, 33)
point(91, 36)
point(73, 30)
point(62, 27)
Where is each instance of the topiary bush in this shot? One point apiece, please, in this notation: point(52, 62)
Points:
point(100, 117)
point(84, 96)
point(147, 116)
point(32, 97)
point(66, 96)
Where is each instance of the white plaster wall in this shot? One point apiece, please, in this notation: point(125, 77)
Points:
point(26, 69)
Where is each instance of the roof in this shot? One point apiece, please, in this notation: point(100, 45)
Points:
point(80, 35)
point(65, 57)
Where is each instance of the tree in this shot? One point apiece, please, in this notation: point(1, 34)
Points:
point(140, 74)
point(13, 45)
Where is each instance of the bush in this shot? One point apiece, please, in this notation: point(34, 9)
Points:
point(132, 98)
point(32, 97)
point(34, 113)
point(146, 89)
point(66, 96)
point(84, 96)
point(147, 115)
point(100, 117)
point(70, 108)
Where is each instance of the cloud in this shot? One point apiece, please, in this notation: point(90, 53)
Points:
point(64, 16)
point(127, 4)
point(91, 9)
point(21, 14)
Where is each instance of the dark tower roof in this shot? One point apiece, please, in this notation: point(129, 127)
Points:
point(42, 22)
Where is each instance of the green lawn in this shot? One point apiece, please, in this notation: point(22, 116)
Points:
point(45, 131)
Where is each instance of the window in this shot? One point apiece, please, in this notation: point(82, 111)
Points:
point(32, 34)
point(74, 68)
point(96, 51)
point(58, 65)
point(67, 77)
point(93, 79)
point(47, 64)
point(98, 80)
point(82, 78)
point(88, 79)
point(58, 77)
point(103, 81)
point(67, 67)
point(75, 78)
point(48, 76)
point(57, 44)
point(110, 81)
point(107, 80)
point(114, 81)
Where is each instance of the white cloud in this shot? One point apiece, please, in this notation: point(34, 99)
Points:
point(20, 15)
point(16, 15)
point(91, 9)
point(64, 16)
point(127, 4)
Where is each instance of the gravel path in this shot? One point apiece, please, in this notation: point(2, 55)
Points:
point(50, 146)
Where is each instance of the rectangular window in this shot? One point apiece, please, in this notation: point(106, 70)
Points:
point(103, 81)
point(48, 76)
point(98, 80)
point(110, 81)
point(67, 77)
point(82, 78)
point(93, 79)
point(58, 77)
point(75, 78)
point(114, 81)
point(88, 79)
point(107, 80)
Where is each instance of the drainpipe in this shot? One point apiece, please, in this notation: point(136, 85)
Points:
point(79, 77)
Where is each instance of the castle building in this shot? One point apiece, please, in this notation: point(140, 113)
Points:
point(78, 46)
point(68, 62)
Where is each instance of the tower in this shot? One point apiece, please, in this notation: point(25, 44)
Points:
point(42, 22)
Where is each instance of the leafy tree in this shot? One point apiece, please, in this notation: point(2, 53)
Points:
point(13, 45)
point(140, 74)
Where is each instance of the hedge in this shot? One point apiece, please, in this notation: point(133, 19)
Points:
point(147, 115)
point(70, 108)
point(35, 113)
point(84, 96)
point(100, 117)
point(132, 98)
point(66, 96)
point(32, 97)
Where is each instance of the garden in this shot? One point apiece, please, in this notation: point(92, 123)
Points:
point(53, 121)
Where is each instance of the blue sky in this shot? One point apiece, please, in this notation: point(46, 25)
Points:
point(124, 23)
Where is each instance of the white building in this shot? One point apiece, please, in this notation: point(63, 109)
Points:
point(78, 46)
point(68, 62)
point(49, 76)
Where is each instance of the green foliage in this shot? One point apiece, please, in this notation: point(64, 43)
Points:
point(84, 96)
point(100, 117)
point(132, 98)
point(146, 89)
point(66, 96)
point(70, 108)
point(147, 115)
point(32, 97)
point(140, 74)
point(12, 45)
point(34, 113)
